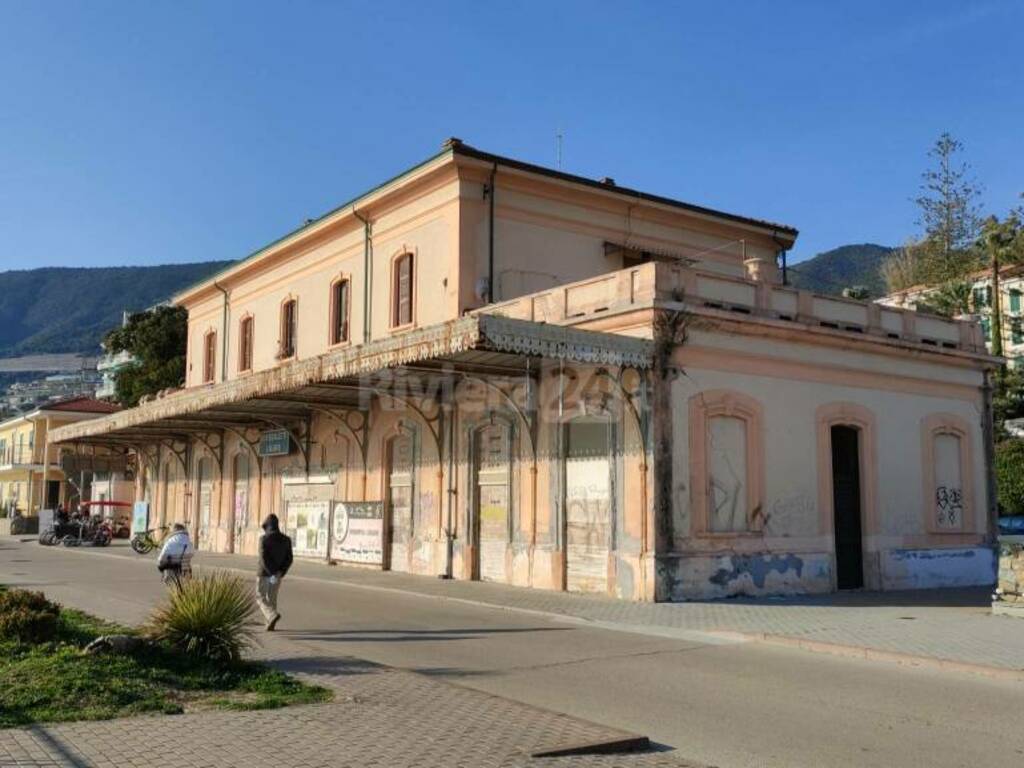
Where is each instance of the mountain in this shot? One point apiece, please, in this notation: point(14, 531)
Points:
point(843, 267)
point(69, 309)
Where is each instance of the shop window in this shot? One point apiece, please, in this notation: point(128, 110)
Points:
point(209, 357)
point(402, 290)
point(289, 328)
point(726, 444)
point(339, 311)
point(245, 344)
point(947, 470)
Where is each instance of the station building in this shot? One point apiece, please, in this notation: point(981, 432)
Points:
point(486, 369)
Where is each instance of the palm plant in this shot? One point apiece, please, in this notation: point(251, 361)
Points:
point(206, 616)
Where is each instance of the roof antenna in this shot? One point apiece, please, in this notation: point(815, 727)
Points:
point(558, 148)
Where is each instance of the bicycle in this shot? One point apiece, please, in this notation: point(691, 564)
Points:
point(144, 542)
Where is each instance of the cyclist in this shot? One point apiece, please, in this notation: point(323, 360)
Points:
point(175, 561)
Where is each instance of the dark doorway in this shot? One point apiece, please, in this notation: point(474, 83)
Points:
point(52, 494)
point(846, 507)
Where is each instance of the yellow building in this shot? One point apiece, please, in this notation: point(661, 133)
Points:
point(30, 475)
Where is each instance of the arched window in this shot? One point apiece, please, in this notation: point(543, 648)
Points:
point(726, 463)
point(245, 344)
point(339, 311)
point(289, 329)
point(946, 456)
point(209, 357)
point(402, 290)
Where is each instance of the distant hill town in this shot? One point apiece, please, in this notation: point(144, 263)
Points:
point(68, 310)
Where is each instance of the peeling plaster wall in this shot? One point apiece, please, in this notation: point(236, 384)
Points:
point(793, 549)
point(707, 577)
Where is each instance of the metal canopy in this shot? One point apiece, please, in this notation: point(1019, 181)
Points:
point(342, 381)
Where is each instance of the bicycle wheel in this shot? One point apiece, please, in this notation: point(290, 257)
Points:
point(141, 545)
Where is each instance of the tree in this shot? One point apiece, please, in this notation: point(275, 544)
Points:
point(904, 268)
point(949, 300)
point(1010, 476)
point(157, 339)
point(949, 212)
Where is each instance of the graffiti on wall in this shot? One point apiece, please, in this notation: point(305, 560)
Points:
point(949, 507)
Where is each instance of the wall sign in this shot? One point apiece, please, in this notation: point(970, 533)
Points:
point(276, 442)
point(358, 532)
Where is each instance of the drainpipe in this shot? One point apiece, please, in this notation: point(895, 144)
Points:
point(988, 435)
point(367, 273)
point(223, 333)
point(489, 191)
point(449, 534)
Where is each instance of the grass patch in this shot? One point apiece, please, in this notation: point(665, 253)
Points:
point(56, 681)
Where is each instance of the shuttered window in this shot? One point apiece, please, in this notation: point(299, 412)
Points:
point(339, 312)
point(288, 329)
point(209, 356)
point(245, 344)
point(403, 291)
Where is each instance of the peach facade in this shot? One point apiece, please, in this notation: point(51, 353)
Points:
point(558, 383)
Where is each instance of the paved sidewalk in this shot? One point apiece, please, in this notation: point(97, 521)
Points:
point(381, 716)
point(952, 628)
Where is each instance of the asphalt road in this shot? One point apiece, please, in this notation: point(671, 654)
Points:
point(731, 705)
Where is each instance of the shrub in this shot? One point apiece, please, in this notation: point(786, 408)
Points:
point(1010, 476)
point(27, 617)
point(207, 616)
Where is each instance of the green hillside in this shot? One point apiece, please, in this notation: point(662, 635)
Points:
point(69, 309)
point(843, 267)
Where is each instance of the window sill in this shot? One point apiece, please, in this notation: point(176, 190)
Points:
point(340, 344)
point(396, 329)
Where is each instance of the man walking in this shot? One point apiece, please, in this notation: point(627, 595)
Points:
point(275, 560)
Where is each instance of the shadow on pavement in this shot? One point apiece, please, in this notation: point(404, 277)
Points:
point(966, 597)
point(327, 665)
point(409, 635)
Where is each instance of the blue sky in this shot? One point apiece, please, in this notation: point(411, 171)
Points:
point(156, 132)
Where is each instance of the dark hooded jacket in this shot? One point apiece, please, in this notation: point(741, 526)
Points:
point(275, 549)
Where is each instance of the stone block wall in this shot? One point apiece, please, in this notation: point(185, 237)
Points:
point(1009, 596)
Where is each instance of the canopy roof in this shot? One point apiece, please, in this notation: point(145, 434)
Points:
point(480, 344)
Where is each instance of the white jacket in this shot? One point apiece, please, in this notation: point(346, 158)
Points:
point(177, 550)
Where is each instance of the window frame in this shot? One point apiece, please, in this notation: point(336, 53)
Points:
point(246, 336)
point(334, 315)
point(703, 407)
point(288, 330)
point(209, 370)
point(931, 427)
point(396, 321)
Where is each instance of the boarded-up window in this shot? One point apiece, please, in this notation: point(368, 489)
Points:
point(949, 495)
point(403, 290)
point(288, 329)
point(727, 475)
point(245, 344)
point(209, 356)
point(339, 312)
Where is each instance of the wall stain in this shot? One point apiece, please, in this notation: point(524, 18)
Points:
point(758, 567)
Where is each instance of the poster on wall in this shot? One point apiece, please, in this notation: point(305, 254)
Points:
point(140, 517)
point(307, 512)
point(358, 532)
point(308, 526)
